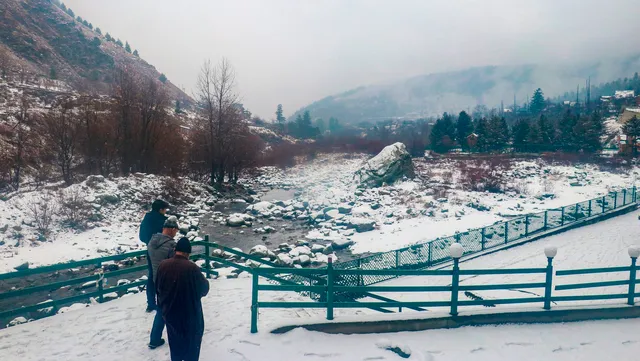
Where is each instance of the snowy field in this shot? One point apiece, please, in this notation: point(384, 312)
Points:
point(121, 327)
point(436, 203)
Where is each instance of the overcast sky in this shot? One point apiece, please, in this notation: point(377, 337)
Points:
point(297, 51)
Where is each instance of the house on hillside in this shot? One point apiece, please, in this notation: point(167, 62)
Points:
point(627, 114)
point(624, 94)
point(472, 140)
point(627, 143)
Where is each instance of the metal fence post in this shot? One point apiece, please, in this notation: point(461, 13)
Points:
point(548, 284)
point(562, 217)
point(577, 211)
point(454, 287)
point(207, 263)
point(101, 287)
point(430, 260)
point(615, 200)
point(589, 208)
point(254, 302)
point(632, 281)
point(624, 197)
point(506, 232)
point(526, 225)
point(634, 194)
point(604, 204)
point(483, 239)
point(330, 289)
point(360, 279)
point(546, 220)
point(397, 260)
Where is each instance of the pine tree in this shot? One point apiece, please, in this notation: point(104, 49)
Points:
point(566, 132)
point(178, 107)
point(632, 130)
point(85, 23)
point(464, 127)
point(537, 102)
point(280, 115)
point(108, 37)
point(135, 53)
point(127, 48)
point(482, 130)
point(547, 133)
point(443, 134)
point(53, 74)
point(79, 19)
point(119, 43)
point(499, 132)
point(99, 31)
point(90, 26)
point(163, 78)
point(63, 7)
point(521, 135)
point(589, 130)
point(71, 13)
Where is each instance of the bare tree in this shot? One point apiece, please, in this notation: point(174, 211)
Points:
point(126, 94)
point(20, 140)
point(61, 129)
point(153, 104)
point(42, 212)
point(218, 103)
point(5, 63)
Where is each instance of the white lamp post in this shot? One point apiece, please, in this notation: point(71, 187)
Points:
point(456, 250)
point(634, 253)
point(550, 252)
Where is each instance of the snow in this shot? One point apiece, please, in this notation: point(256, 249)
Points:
point(121, 328)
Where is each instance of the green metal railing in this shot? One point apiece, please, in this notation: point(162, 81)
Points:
point(332, 289)
point(434, 252)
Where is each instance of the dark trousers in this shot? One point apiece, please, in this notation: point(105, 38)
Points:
point(151, 287)
point(184, 347)
point(157, 328)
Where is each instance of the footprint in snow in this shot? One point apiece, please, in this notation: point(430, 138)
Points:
point(249, 343)
point(629, 342)
point(518, 344)
point(562, 349)
point(477, 349)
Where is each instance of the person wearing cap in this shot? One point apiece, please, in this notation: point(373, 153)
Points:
point(180, 286)
point(152, 224)
point(161, 247)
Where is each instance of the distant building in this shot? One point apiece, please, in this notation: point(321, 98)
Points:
point(624, 94)
point(627, 114)
point(472, 140)
point(627, 143)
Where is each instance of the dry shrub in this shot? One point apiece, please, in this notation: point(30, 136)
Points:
point(42, 212)
point(484, 176)
point(447, 177)
point(172, 190)
point(75, 211)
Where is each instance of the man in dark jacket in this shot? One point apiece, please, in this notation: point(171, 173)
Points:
point(151, 224)
point(161, 247)
point(180, 286)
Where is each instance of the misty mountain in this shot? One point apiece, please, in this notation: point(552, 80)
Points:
point(40, 38)
point(433, 94)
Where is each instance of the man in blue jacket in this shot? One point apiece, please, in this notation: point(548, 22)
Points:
point(151, 224)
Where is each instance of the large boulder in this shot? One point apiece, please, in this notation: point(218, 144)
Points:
point(392, 163)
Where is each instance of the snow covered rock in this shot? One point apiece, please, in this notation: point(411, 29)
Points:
point(392, 163)
point(345, 209)
point(361, 224)
point(263, 209)
point(17, 321)
point(73, 307)
point(333, 214)
point(259, 250)
point(340, 244)
point(236, 220)
point(22, 267)
point(110, 296)
point(305, 260)
point(284, 260)
point(317, 248)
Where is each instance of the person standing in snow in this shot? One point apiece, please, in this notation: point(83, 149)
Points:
point(180, 286)
point(161, 247)
point(151, 224)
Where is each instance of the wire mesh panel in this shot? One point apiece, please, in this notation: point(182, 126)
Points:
point(554, 218)
point(440, 250)
point(596, 206)
point(494, 235)
point(471, 240)
point(385, 260)
point(569, 214)
point(536, 222)
point(516, 229)
point(610, 203)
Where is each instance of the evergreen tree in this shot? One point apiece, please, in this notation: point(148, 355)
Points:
point(127, 48)
point(71, 13)
point(96, 41)
point(178, 107)
point(79, 19)
point(135, 53)
point(99, 31)
point(90, 26)
point(566, 132)
point(464, 127)
point(443, 134)
point(500, 132)
point(589, 130)
point(119, 43)
point(521, 135)
point(163, 78)
point(632, 130)
point(53, 74)
point(547, 133)
point(280, 115)
point(534, 138)
point(537, 102)
point(63, 7)
point(320, 124)
point(482, 130)
point(85, 23)
point(334, 125)
point(108, 37)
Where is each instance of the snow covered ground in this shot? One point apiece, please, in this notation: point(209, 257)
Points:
point(120, 330)
point(436, 203)
point(600, 245)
